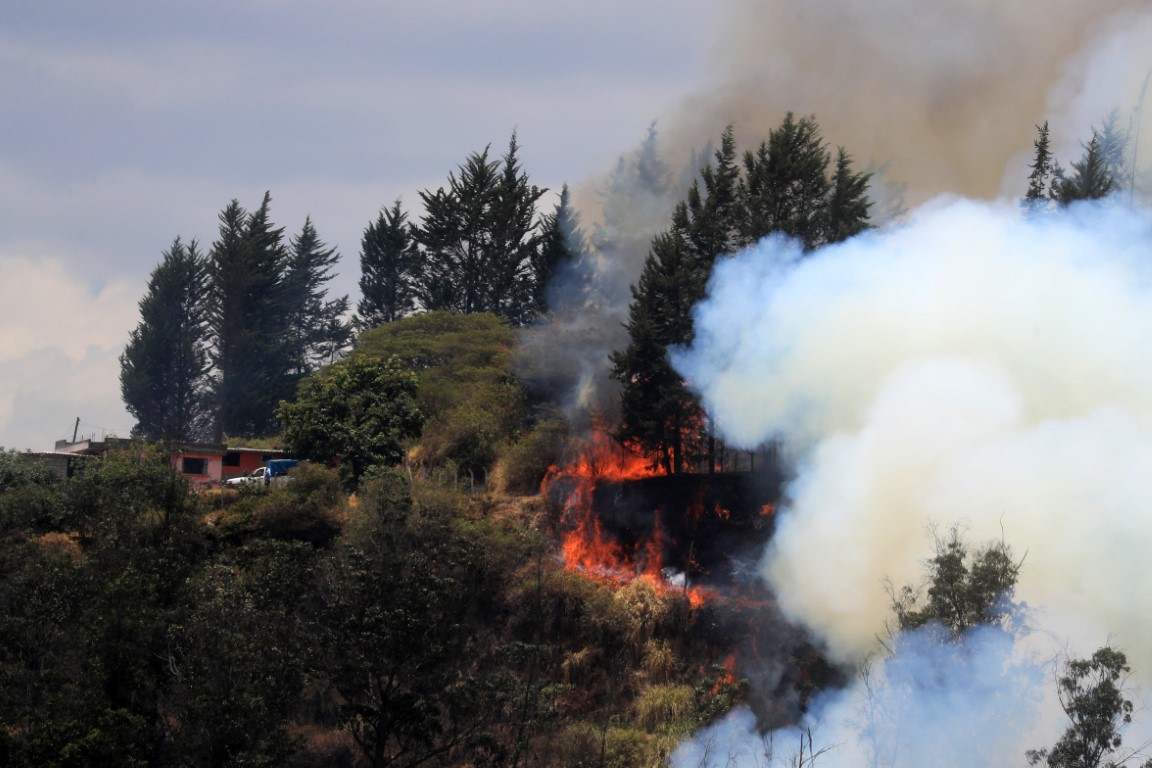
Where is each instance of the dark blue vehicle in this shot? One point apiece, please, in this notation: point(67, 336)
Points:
point(278, 468)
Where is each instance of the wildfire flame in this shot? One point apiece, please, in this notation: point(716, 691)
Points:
point(585, 547)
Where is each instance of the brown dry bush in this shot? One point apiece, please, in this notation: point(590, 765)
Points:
point(659, 663)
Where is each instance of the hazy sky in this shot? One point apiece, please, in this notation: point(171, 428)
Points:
point(128, 122)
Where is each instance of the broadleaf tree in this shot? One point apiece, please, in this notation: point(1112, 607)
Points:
point(356, 413)
point(1092, 695)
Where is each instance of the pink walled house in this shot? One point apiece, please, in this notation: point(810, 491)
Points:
point(204, 464)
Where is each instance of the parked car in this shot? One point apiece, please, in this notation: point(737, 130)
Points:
point(259, 476)
point(276, 473)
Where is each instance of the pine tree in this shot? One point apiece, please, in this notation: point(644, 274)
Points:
point(164, 367)
point(248, 320)
point(650, 171)
point(849, 208)
point(1114, 143)
point(478, 236)
point(453, 237)
point(712, 215)
point(317, 332)
point(1040, 181)
point(786, 188)
point(658, 411)
point(561, 244)
point(1091, 178)
point(515, 242)
point(389, 266)
point(635, 194)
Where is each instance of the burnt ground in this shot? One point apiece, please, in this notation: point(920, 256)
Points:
point(713, 527)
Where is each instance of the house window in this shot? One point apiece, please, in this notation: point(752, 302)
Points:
point(232, 459)
point(194, 466)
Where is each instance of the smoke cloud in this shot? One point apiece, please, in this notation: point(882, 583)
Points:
point(965, 366)
point(902, 712)
point(969, 366)
point(946, 94)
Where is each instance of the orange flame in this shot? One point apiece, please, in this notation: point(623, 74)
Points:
point(586, 548)
point(728, 676)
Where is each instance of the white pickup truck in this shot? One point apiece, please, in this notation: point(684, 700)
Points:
point(256, 478)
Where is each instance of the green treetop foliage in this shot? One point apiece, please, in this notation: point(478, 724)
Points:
point(1091, 178)
point(223, 338)
point(635, 192)
point(402, 658)
point(466, 389)
point(656, 404)
point(389, 268)
point(1114, 149)
point(561, 243)
point(317, 333)
point(478, 236)
point(1092, 695)
point(849, 208)
point(248, 308)
point(785, 188)
point(965, 588)
point(1043, 170)
point(358, 413)
point(164, 367)
point(1100, 171)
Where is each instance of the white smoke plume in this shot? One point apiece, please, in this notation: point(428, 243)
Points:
point(930, 704)
point(969, 366)
point(966, 366)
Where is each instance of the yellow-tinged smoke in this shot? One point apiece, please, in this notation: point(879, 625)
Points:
point(946, 92)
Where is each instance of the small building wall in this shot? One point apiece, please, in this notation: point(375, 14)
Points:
point(200, 467)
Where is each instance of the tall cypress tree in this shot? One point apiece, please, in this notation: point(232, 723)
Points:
point(713, 210)
point(479, 235)
point(1040, 180)
point(658, 412)
point(454, 238)
point(250, 342)
point(1114, 142)
point(1091, 178)
point(164, 367)
point(317, 332)
point(515, 241)
point(785, 188)
point(561, 243)
point(389, 265)
point(849, 208)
